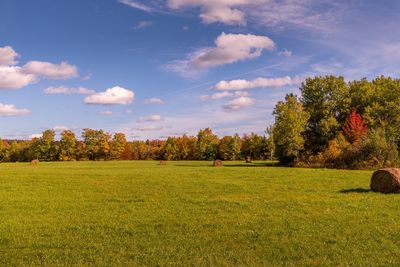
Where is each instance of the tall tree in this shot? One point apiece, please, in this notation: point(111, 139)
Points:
point(207, 145)
point(117, 145)
point(44, 148)
point(290, 123)
point(68, 145)
point(97, 143)
point(327, 100)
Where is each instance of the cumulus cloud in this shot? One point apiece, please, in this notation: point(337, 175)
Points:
point(154, 100)
point(12, 77)
point(151, 118)
point(257, 83)
point(62, 90)
point(62, 71)
point(239, 103)
point(8, 110)
point(229, 48)
point(223, 11)
point(8, 56)
point(112, 96)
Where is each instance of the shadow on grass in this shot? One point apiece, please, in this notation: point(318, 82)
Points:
point(355, 190)
point(253, 165)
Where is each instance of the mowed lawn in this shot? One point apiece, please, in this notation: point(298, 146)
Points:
point(191, 214)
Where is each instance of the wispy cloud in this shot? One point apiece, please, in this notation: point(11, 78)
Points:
point(143, 24)
point(63, 90)
point(138, 5)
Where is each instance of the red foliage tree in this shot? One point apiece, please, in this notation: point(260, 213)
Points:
point(354, 129)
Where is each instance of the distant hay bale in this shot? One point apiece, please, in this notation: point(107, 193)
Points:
point(218, 163)
point(34, 162)
point(248, 159)
point(386, 181)
point(163, 162)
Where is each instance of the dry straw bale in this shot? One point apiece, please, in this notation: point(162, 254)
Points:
point(35, 162)
point(386, 180)
point(218, 163)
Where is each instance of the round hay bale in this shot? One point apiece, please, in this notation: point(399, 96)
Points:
point(386, 181)
point(248, 159)
point(218, 163)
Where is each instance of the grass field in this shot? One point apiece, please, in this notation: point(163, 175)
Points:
point(191, 214)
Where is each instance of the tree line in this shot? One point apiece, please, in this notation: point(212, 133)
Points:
point(100, 145)
point(335, 123)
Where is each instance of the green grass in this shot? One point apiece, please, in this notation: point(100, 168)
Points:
point(191, 214)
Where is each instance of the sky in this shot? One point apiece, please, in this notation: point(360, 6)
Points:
point(160, 68)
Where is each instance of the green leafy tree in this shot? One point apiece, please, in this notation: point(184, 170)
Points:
point(68, 145)
point(207, 145)
point(327, 100)
point(117, 145)
point(290, 123)
point(97, 144)
point(253, 146)
point(44, 148)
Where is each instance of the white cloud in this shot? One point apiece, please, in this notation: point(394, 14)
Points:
point(60, 128)
point(8, 110)
point(154, 100)
point(285, 53)
point(229, 48)
point(209, 115)
point(112, 96)
point(143, 24)
point(34, 136)
point(14, 78)
point(311, 15)
point(223, 11)
point(224, 94)
point(8, 56)
point(257, 83)
point(137, 5)
point(151, 118)
point(52, 71)
point(239, 103)
point(149, 128)
point(106, 113)
point(221, 95)
point(67, 90)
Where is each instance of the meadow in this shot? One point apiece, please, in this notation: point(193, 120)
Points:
point(138, 213)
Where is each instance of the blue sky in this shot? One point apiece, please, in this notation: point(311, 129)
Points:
point(158, 68)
